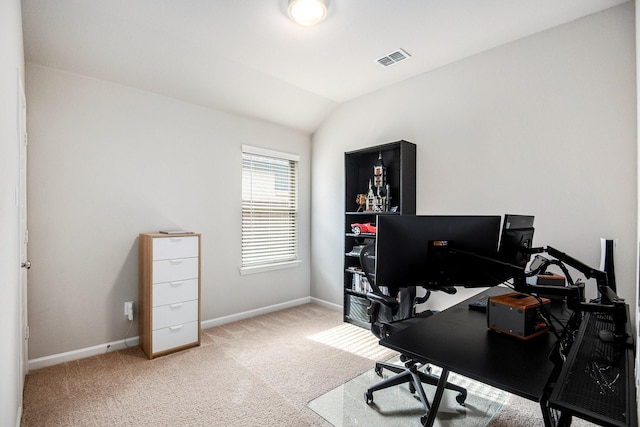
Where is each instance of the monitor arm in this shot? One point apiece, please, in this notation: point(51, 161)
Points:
point(610, 302)
point(588, 272)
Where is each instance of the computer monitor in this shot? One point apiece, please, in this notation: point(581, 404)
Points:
point(516, 240)
point(416, 250)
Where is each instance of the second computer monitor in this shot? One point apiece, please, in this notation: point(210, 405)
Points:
point(415, 250)
point(516, 240)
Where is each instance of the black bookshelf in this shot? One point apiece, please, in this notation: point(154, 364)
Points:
point(399, 158)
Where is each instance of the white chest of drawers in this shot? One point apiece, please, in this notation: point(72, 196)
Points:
point(169, 292)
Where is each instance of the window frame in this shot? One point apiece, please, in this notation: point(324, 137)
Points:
point(273, 265)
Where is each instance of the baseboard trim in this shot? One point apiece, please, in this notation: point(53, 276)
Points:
point(19, 416)
point(326, 304)
point(253, 313)
point(81, 353)
point(68, 356)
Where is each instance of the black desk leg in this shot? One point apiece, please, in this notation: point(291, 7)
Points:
point(442, 383)
point(553, 418)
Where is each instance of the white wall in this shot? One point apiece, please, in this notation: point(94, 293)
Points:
point(11, 72)
point(107, 162)
point(637, 16)
point(545, 125)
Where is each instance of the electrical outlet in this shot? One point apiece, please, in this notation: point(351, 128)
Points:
point(128, 309)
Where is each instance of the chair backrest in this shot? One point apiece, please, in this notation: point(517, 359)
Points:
point(406, 297)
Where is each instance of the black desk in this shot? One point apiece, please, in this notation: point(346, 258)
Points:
point(457, 339)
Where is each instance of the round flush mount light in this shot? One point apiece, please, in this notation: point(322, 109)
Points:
point(307, 12)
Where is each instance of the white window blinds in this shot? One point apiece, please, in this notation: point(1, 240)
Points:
point(269, 207)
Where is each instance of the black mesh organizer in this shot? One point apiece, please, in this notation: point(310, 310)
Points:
point(596, 382)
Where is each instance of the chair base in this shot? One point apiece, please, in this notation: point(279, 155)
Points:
point(415, 378)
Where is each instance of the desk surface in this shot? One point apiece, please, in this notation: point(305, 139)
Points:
point(458, 339)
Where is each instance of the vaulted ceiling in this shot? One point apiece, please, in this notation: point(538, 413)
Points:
point(247, 57)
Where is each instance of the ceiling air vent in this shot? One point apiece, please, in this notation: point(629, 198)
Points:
point(393, 57)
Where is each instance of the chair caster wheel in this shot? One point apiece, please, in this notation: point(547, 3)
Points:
point(423, 420)
point(460, 398)
point(378, 371)
point(368, 398)
point(412, 388)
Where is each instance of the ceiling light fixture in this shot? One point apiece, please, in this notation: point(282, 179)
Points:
point(307, 12)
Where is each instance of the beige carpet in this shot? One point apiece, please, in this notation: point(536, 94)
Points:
point(256, 372)
point(250, 373)
point(521, 412)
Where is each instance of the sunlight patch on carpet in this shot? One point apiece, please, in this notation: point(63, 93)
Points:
point(353, 339)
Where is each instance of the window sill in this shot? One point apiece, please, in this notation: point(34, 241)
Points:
point(270, 267)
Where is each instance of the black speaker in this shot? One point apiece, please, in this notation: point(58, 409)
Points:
point(606, 261)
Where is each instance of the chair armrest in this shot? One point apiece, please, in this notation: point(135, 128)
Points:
point(385, 300)
point(446, 289)
point(424, 298)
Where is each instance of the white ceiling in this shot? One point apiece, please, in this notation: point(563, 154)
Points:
point(247, 57)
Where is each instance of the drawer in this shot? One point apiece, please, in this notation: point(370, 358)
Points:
point(175, 247)
point(175, 336)
point(178, 291)
point(175, 314)
point(171, 270)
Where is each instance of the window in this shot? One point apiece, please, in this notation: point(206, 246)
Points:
point(269, 208)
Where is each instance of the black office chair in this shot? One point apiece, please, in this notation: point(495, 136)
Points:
point(391, 310)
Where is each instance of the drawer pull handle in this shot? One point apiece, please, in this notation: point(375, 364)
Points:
point(176, 328)
point(175, 239)
point(177, 305)
point(176, 261)
point(176, 283)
